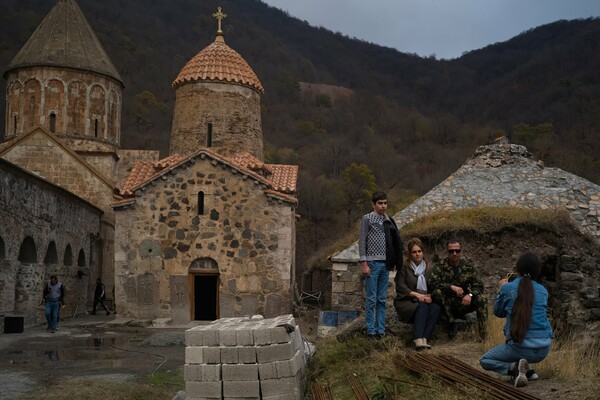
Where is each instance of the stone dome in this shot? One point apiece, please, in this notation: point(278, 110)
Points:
point(219, 63)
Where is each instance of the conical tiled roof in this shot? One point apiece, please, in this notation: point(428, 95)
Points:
point(65, 39)
point(219, 62)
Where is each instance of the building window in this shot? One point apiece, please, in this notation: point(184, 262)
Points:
point(201, 203)
point(32, 112)
point(209, 136)
point(15, 118)
point(96, 127)
point(52, 122)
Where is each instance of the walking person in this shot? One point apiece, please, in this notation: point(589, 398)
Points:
point(524, 303)
point(413, 300)
point(54, 294)
point(99, 296)
point(380, 251)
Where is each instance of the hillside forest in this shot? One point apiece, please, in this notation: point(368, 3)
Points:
point(353, 115)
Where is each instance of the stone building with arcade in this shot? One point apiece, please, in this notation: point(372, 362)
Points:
point(207, 232)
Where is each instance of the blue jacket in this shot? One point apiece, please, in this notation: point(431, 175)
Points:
point(539, 333)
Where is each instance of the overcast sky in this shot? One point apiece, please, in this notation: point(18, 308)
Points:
point(446, 28)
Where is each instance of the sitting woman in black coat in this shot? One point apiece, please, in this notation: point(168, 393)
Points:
point(413, 301)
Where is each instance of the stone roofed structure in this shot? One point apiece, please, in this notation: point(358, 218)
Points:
point(505, 175)
point(209, 231)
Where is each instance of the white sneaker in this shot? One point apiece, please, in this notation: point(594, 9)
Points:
point(521, 379)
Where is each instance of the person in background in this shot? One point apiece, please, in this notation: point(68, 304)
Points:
point(456, 286)
point(524, 303)
point(413, 301)
point(380, 251)
point(54, 294)
point(99, 295)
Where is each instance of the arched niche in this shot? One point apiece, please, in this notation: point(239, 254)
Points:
point(68, 258)
point(51, 254)
point(28, 251)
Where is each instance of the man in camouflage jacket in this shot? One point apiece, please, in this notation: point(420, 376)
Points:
point(458, 289)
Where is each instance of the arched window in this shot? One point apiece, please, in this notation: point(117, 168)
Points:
point(209, 135)
point(81, 259)
point(51, 255)
point(15, 119)
point(68, 259)
point(28, 252)
point(32, 112)
point(96, 127)
point(201, 203)
point(52, 122)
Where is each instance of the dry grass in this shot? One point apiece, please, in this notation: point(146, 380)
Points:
point(485, 219)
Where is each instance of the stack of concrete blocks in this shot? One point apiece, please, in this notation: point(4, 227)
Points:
point(245, 358)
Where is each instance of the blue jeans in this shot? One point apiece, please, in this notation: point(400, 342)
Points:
point(376, 286)
point(52, 308)
point(500, 358)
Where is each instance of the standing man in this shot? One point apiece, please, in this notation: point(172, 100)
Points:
point(99, 295)
point(54, 294)
point(380, 251)
point(458, 289)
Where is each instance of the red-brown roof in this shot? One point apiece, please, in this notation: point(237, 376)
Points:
point(219, 62)
point(281, 183)
point(247, 160)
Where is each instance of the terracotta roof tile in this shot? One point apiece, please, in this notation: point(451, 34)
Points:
point(247, 160)
point(284, 178)
point(219, 62)
point(280, 184)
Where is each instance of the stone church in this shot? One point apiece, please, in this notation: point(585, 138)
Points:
point(207, 232)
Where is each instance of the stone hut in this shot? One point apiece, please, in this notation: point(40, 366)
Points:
point(209, 231)
point(501, 175)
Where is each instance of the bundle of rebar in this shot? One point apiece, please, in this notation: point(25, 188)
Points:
point(462, 376)
point(357, 388)
point(321, 391)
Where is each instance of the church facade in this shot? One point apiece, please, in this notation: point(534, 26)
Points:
point(207, 232)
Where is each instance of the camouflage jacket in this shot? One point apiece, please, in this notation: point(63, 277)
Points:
point(466, 275)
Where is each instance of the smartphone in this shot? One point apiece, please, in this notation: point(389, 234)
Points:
point(511, 276)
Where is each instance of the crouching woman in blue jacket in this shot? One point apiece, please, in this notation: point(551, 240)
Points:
point(523, 302)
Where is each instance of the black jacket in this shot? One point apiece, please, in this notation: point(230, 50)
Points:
point(393, 244)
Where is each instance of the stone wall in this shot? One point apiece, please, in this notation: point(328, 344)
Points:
point(233, 112)
point(44, 230)
point(242, 236)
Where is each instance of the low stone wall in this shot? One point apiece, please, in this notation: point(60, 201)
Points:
point(250, 358)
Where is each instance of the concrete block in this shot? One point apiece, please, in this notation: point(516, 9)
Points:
point(240, 372)
point(279, 335)
point(247, 355)
point(191, 372)
point(211, 355)
point(229, 355)
point(193, 337)
point(290, 396)
point(262, 336)
point(194, 355)
point(244, 336)
point(209, 390)
point(275, 352)
point(267, 371)
point(280, 386)
point(210, 373)
point(210, 336)
point(243, 389)
point(291, 367)
point(227, 337)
